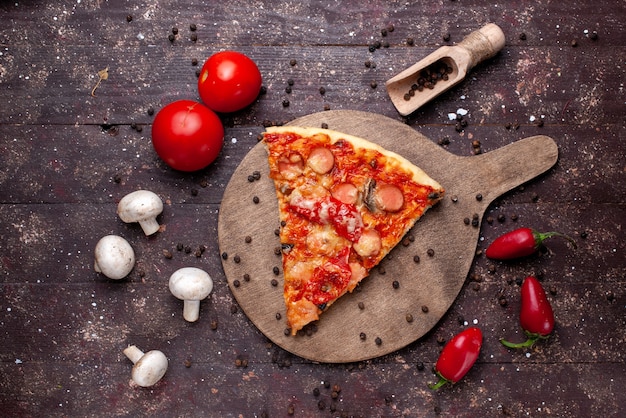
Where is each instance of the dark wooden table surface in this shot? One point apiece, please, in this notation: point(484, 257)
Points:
point(68, 157)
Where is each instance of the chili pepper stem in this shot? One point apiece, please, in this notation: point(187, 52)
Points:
point(528, 343)
point(442, 381)
point(541, 236)
point(532, 339)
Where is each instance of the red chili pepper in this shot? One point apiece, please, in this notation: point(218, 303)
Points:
point(520, 242)
point(458, 356)
point(536, 315)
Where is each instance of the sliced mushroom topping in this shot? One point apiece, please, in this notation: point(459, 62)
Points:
point(368, 195)
point(321, 160)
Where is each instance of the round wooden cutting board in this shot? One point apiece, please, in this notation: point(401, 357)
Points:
point(389, 317)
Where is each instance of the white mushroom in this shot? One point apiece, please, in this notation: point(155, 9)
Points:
point(191, 284)
point(149, 368)
point(141, 206)
point(114, 257)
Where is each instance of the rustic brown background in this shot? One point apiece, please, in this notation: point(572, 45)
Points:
point(68, 157)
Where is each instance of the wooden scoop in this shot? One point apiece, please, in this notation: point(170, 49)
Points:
point(390, 318)
point(458, 60)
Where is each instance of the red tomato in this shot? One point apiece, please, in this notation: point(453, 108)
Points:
point(229, 81)
point(187, 135)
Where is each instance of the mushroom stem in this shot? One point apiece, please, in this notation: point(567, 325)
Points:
point(149, 226)
point(191, 310)
point(133, 353)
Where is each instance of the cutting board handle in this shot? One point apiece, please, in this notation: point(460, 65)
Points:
point(496, 172)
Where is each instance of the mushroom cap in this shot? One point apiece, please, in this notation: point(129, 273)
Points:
point(114, 257)
point(139, 205)
point(150, 368)
point(190, 283)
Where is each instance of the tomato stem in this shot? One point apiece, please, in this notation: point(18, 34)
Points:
point(442, 381)
point(541, 236)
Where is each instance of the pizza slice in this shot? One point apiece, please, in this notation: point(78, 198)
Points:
point(344, 204)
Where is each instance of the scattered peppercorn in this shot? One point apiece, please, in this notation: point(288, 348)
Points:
point(293, 62)
point(373, 84)
point(274, 282)
point(129, 18)
point(224, 256)
point(237, 259)
point(171, 37)
point(424, 308)
point(256, 199)
point(193, 27)
point(416, 258)
point(175, 30)
point(285, 103)
point(378, 341)
point(322, 91)
point(430, 252)
point(446, 37)
point(167, 254)
point(420, 366)
point(362, 336)
point(522, 36)
point(246, 277)
point(410, 41)
point(214, 324)
point(396, 284)
point(236, 283)
point(409, 318)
